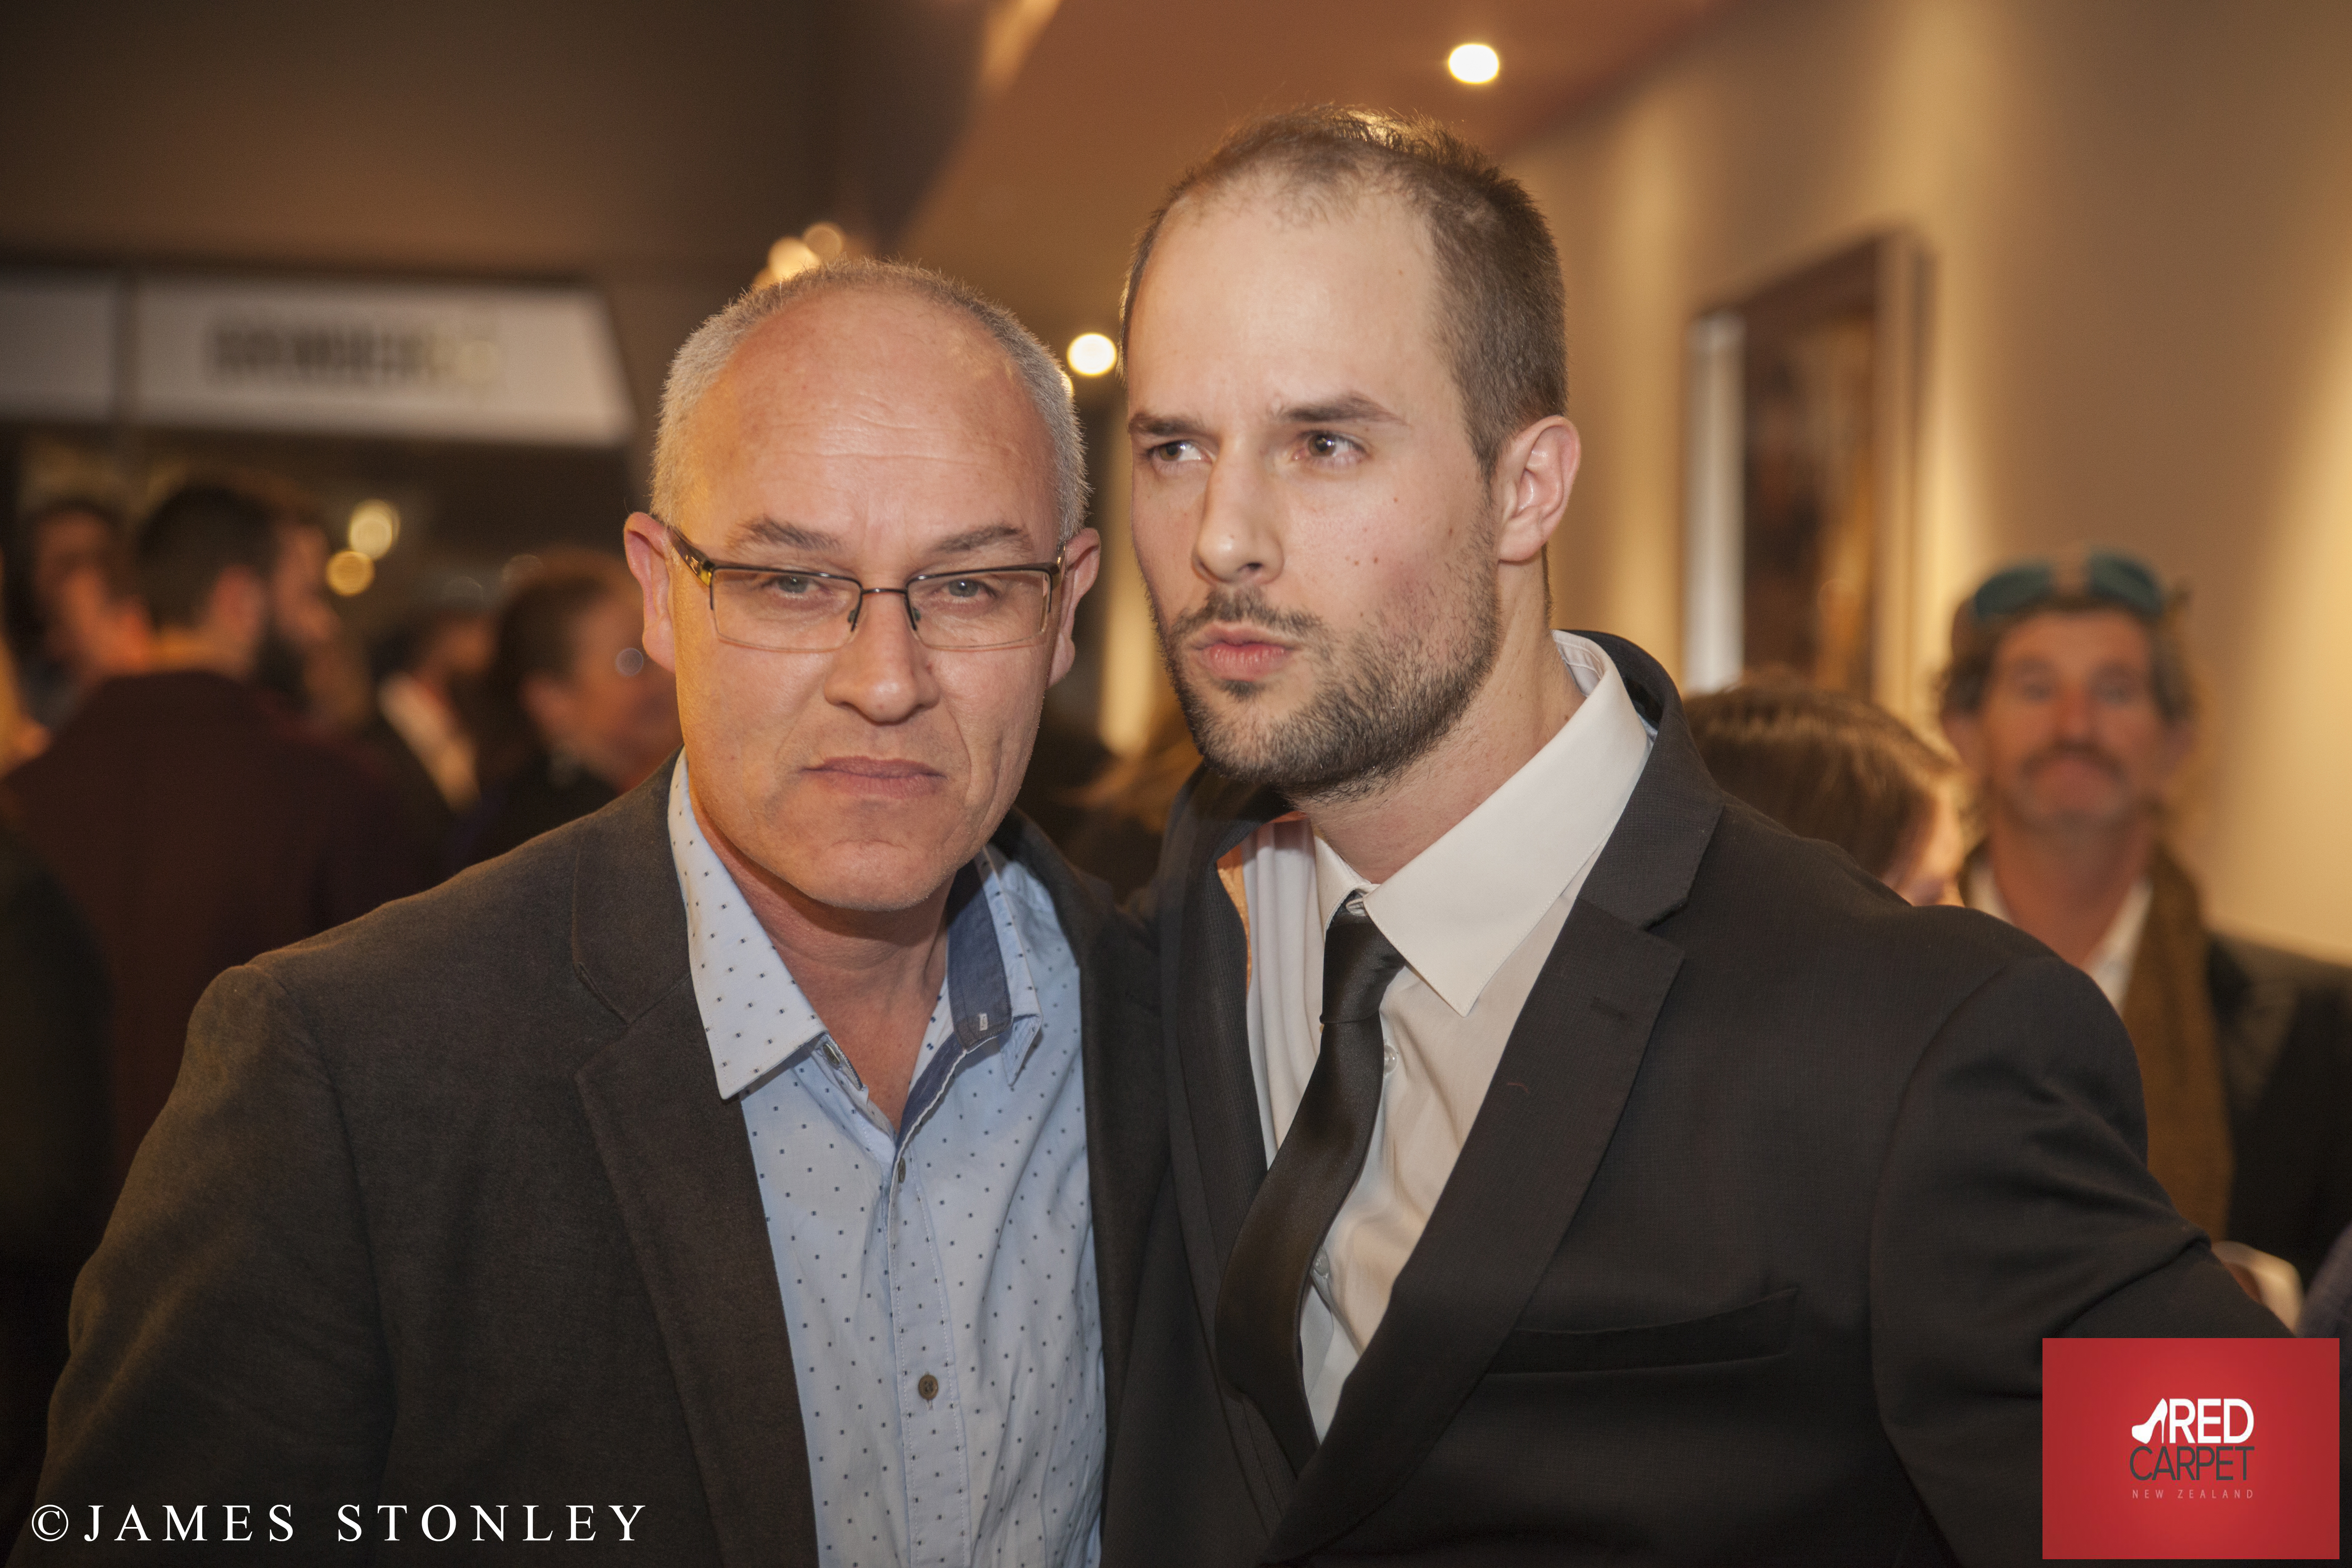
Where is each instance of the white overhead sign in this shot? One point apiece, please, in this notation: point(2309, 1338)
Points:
point(58, 344)
point(463, 363)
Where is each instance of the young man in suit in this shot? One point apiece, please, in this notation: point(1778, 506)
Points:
point(708, 1181)
point(1567, 1165)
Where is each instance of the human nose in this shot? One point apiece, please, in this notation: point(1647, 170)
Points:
point(882, 673)
point(2073, 711)
point(1239, 541)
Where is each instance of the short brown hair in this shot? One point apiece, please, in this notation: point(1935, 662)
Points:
point(200, 532)
point(1823, 764)
point(1501, 303)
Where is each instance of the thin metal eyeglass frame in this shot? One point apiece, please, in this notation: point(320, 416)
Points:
point(705, 569)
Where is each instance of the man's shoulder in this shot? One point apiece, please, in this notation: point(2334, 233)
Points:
point(501, 929)
point(1804, 911)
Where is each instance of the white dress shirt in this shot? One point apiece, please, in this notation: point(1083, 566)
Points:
point(1474, 915)
point(2110, 962)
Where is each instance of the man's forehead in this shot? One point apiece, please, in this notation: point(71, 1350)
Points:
point(2103, 636)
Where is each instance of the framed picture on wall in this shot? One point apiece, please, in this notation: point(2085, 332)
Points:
point(1798, 506)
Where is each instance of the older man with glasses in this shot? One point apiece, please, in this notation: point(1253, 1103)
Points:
point(708, 1181)
point(2071, 699)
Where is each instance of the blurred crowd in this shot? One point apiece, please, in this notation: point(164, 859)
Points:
point(199, 761)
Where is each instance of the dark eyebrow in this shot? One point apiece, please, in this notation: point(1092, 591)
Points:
point(1161, 425)
point(1348, 409)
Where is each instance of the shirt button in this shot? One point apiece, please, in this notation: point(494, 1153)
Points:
point(1389, 1058)
point(928, 1386)
point(1323, 1266)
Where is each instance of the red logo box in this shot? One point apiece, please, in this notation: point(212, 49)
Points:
point(2190, 1448)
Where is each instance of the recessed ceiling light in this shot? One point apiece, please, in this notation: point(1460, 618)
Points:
point(1474, 63)
point(1091, 353)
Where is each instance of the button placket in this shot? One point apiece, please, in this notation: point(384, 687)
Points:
point(934, 1464)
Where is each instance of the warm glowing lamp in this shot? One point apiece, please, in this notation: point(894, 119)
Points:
point(350, 573)
point(1474, 63)
point(1091, 353)
point(375, 528)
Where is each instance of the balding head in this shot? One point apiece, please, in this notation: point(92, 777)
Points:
point(703, 361)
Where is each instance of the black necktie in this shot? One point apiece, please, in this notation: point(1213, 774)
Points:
point(1316, 1165)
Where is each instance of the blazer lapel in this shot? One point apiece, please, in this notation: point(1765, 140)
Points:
point(1540, 1135)
point(1127, 1113)
point(1217, 1152)
point(680, 1167)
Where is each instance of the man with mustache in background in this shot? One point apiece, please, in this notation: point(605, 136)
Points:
point(1567, 1165)
point(2070, 698)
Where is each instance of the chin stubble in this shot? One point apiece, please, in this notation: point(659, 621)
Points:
point(1381, 700)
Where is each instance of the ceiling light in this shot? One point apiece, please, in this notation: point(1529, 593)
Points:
point(375, 528)
point(788, 258)
point(1474, 63)
point(825, 240)
point(1091, 353)
point(350, 573)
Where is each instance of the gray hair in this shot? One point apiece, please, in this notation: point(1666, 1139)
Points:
point(705, 357)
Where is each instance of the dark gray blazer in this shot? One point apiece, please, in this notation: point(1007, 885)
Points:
point(446, 1209)
point(1748, 1257)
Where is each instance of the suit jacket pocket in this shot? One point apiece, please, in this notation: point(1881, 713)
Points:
point(1743, 1333)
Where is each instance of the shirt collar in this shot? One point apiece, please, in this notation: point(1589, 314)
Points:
point(740, 980)
point(1462, 906)
point(2110, 962)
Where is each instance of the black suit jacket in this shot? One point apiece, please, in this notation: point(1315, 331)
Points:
point(446, 1209)
point(1748, 1254)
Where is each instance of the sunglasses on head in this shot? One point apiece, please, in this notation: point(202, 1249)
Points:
point(2122, 580)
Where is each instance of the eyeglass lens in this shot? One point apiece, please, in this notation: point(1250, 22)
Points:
point(794, 612)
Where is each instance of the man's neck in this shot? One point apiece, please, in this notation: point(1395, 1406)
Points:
point(192, 647)
point(2066, 884)
point(872, 978)
point(1526, 698)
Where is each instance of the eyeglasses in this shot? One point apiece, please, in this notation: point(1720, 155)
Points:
point(2122, 580)
point(783, 609)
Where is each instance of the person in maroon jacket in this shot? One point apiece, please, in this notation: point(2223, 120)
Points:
point(195, 821)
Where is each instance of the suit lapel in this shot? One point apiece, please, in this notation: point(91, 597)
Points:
point(680, 1166)
point(1541, 1133)
point(1217, 1152)
point(1126, 1087)
point(1539, 1137)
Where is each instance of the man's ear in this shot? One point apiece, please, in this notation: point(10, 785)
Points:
point(1081, 561)
point(1536, 471)
point(648, 544)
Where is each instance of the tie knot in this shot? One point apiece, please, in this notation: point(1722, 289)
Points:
point(1358, 965)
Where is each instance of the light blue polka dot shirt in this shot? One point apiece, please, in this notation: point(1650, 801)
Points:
point(937, 1280)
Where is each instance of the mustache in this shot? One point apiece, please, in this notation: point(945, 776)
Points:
point(2075, 751)
point(1245, 607)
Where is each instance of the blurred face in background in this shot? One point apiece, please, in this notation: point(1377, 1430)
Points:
point(612, 709)
point(66, 542)
point(2069, 737)
point(299, 611)
point(1315, 529)
point(872, 435)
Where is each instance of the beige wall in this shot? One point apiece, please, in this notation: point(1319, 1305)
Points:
point(2139, 331)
